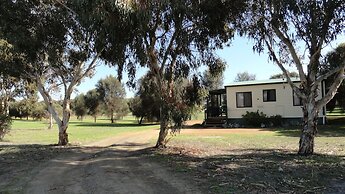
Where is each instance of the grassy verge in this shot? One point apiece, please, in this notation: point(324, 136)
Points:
point(80, 132)
point(264, 161)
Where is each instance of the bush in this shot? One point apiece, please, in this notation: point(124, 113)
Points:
point(5, 125)
point(276, 120)
point(254, 119)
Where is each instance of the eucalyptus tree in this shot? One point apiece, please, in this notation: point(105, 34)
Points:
point(281, 75)
point(92, 103)
point(79, 106)
point(214, 80)
point(59, 49)
point(295, 33)
point(173, 38)
point(147, 97)
point(112, 93)
point(244, 76)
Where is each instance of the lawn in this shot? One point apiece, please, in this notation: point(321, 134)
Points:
point(80, 132)
point(218, 160)
point(261, 161)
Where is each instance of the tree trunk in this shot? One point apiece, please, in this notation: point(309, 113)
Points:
point(164, 130)
point(309, 131)
point(163, 133)
point(63, 136)
point(50, 121)
point(141, 120)
point(112, 117)
point(95, 119)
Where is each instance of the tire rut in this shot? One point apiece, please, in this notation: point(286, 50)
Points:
point(115, 169)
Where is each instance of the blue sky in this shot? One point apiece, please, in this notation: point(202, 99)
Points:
point(239, 58)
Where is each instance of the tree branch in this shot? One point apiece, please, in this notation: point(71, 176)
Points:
point(329, 73)
point(47, 99)
point(172, 39)
point(285, 72)
point(292, 50)
point(332, 90)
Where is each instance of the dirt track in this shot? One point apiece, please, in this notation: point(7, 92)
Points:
point(113, 165)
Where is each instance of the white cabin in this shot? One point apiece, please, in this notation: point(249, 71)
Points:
point(272, 97)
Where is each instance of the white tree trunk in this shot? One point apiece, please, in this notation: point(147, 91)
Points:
point(309, 130)
point(50, 121)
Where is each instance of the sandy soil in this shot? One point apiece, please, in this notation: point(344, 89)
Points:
point(113, 165)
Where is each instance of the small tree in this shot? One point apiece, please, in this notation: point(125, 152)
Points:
point(214, 80)
point(111, 93)
point(40, 111)
point(79, 106)
point(92, 103)
point(135, 106)
point(244, 76)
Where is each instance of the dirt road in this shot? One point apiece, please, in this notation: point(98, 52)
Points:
point(113, 165)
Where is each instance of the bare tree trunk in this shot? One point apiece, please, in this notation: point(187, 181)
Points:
point(50, 121)
point(5, 108)
point(141, 120)
point(163, 133)
point(309, 131)
point(95, 119)
point(63, 136)
point(112, 117)
point(164, 130)
point(66, 114)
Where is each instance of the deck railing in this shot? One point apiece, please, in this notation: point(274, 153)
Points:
point(216, 112)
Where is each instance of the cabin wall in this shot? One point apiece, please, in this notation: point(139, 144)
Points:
point(282, 106)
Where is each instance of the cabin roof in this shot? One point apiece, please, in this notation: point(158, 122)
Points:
point(219, 91)
point(261, 82)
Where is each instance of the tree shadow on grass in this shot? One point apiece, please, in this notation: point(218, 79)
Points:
point(263, 171)
point(81, 124)
point(323, 131)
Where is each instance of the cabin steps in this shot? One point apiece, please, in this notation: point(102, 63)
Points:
point(215, 122)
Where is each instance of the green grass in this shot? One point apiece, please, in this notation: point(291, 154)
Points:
point(336, 112)
point(80, 132)
point(200, 115)
point(330, 139)
point(261, 162)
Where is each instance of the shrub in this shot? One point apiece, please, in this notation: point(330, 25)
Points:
point(276, 120)
point(5, 125)
point(254, 119)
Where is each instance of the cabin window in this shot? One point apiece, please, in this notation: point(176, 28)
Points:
point(269, 95)
point(243, 99)
point(297, 101)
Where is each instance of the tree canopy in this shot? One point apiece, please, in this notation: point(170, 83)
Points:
point(244, 76)
point(214, 80)
point(281, 75)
